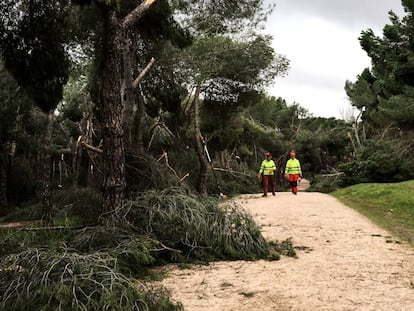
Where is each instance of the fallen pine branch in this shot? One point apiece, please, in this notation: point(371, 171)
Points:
point(231, 172)
point(58, 228)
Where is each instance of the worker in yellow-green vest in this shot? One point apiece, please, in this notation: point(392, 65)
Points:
point(267, 171)
point(293, 172)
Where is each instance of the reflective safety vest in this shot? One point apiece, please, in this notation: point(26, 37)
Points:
point(268, 167)
point(293, 167)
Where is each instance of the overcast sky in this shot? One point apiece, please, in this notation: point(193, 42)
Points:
point(320, 38)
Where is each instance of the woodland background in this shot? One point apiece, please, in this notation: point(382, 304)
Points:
point(104, 104)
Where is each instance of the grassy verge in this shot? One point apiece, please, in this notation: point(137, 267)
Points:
point(389, 205)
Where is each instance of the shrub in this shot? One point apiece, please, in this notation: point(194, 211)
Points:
point(378, 161)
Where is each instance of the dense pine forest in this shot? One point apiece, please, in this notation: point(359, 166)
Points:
point(123, 123)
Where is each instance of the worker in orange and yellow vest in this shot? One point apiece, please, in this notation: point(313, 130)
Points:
point(267, 170)
point(293, 172)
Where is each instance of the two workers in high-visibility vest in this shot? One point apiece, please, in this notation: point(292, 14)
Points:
point(293, 173)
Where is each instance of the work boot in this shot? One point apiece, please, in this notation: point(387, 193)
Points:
point(273, 193)
point(264, 195)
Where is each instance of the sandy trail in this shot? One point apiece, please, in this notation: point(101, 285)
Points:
point(348, 263)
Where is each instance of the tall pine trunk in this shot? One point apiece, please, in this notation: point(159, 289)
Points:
point(202, 186)
point(127, 92)
point(46, 173)
point(112, 127)
point(81, 160)
point(114, 184)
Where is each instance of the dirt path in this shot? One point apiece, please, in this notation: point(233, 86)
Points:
point(348, 263)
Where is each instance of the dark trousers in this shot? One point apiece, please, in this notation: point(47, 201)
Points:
point(268, 180)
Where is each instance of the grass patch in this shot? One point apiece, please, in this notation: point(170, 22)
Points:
point(391, 206)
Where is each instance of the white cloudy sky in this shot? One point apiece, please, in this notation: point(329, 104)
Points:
point(320, 38)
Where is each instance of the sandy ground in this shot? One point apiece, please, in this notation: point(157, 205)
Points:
point(346, 263)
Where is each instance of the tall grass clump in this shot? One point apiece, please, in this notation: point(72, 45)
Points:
point(39, 279)
point(196, 228)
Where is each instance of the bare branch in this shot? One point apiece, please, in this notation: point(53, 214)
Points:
point(165, 156)
point(57, 228)
point(353, 144)
point(90, 147)
point(231, 172)
point(143, 73)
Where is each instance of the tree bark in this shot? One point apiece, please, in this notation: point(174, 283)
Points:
point(114, 184)
point(202, 187)
point(112, 128)
point(140, 113)
point(127, 92)
point(139, 121)
point(3, 176)
point(81, 161)
point(46, 174)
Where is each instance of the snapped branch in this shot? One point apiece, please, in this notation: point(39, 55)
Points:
point(134, 16)
point(143, 73)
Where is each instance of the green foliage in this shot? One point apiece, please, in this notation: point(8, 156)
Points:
point(282, 248)
point(83, 203)
point(380, 161)
point(134, 253)
point(236, 65)
point(73, 98)
point(385, 92)
point(145, 173)
point(326, 183)
point(241, 180)
point(197, 229)
point(22, 183)
point(33, 48)
point(223, 16)
point(389, 205)
point(50, 280)
point(269, 111)
point(159, 25)
point(13, 103)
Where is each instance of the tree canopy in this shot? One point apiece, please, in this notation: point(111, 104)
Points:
point(384, 95)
